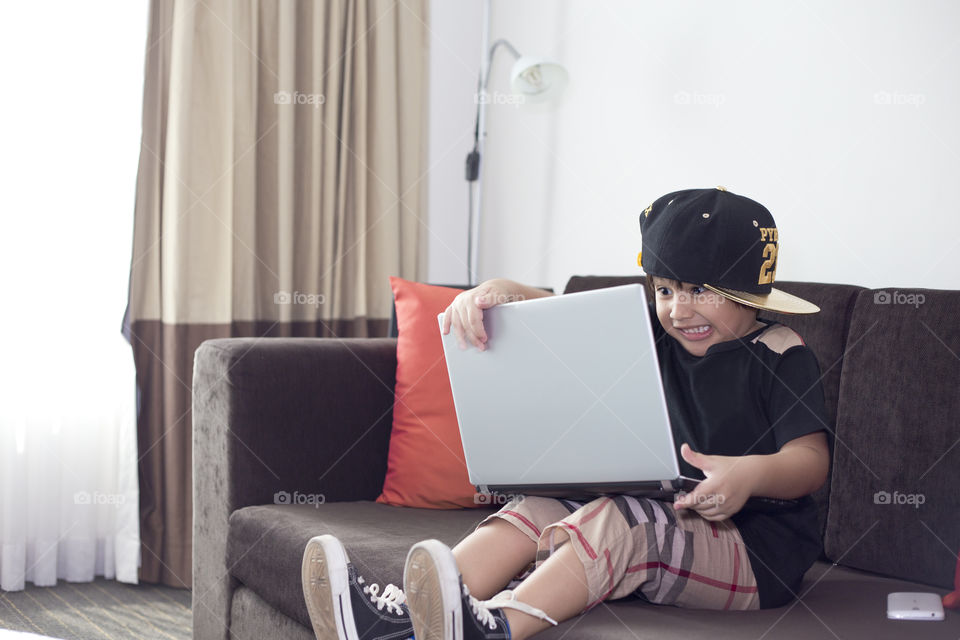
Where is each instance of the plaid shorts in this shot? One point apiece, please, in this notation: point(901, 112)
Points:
point(643, 547)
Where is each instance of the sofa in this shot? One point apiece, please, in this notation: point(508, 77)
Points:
point(291, 437)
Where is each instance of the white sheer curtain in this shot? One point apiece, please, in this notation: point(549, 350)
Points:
point(72, 97)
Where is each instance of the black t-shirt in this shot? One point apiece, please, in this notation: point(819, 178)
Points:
point(745, 397)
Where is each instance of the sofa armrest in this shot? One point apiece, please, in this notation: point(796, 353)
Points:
point(285, 419)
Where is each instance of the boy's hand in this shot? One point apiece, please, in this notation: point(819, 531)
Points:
point(465, 314)
point(726, 488)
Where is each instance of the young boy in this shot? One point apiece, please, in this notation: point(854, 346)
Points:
point(745, 402)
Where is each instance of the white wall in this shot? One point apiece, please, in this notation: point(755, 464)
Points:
point(454, 62)
point(839, 117)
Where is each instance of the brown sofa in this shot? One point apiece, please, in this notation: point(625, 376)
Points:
point(285, 421)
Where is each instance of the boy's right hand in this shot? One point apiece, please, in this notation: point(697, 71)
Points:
point(465, 314)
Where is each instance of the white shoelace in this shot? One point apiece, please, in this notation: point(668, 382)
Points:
point(391, 598)
point(503, 600)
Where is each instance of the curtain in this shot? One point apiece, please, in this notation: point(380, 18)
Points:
point(281, 182)
point(68, 459)
point(68, 479)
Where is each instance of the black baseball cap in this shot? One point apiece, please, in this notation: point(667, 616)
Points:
point(726, 242)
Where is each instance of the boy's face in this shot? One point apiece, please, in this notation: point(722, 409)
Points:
point(698, 317)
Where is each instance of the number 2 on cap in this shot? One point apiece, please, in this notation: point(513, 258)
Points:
point(769, 267)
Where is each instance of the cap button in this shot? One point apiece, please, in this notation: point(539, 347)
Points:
point(721, 188)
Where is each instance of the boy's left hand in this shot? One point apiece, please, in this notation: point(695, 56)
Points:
point(726, 488)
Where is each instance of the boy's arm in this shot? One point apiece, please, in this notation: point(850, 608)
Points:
point(798, 469)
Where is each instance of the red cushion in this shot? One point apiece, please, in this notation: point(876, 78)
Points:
point(425, 466)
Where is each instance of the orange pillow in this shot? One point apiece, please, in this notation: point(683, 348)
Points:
point(425, 466)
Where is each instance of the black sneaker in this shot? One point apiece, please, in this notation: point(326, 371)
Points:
point(341, 605)
point(441, 606)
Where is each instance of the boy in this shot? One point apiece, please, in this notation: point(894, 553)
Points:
point(745, 402)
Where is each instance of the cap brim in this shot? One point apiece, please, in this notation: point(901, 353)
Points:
point(776, 300)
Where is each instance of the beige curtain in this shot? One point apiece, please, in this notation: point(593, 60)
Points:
point(281, 182)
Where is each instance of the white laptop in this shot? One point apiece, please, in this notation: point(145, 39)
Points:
point(566, 400)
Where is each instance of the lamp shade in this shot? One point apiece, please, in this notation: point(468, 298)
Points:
point(537, 79)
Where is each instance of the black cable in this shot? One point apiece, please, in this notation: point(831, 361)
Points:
point(472, 173)
point(470, 233)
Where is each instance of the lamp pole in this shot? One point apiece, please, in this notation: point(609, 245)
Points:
point(474, 169)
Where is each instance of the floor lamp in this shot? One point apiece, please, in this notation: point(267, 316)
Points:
point(537, 80)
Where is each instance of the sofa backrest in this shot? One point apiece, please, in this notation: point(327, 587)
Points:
point(895, 497)
point(824, 332)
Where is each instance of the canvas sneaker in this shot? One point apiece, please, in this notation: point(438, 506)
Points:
point(441, 606)
point(342, 605)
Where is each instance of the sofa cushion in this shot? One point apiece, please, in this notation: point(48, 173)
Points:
point(835, 602)
point(895, 500)
point(425, 466)
point(265, 544)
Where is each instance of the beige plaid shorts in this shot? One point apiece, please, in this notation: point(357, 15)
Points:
point(640, 546)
